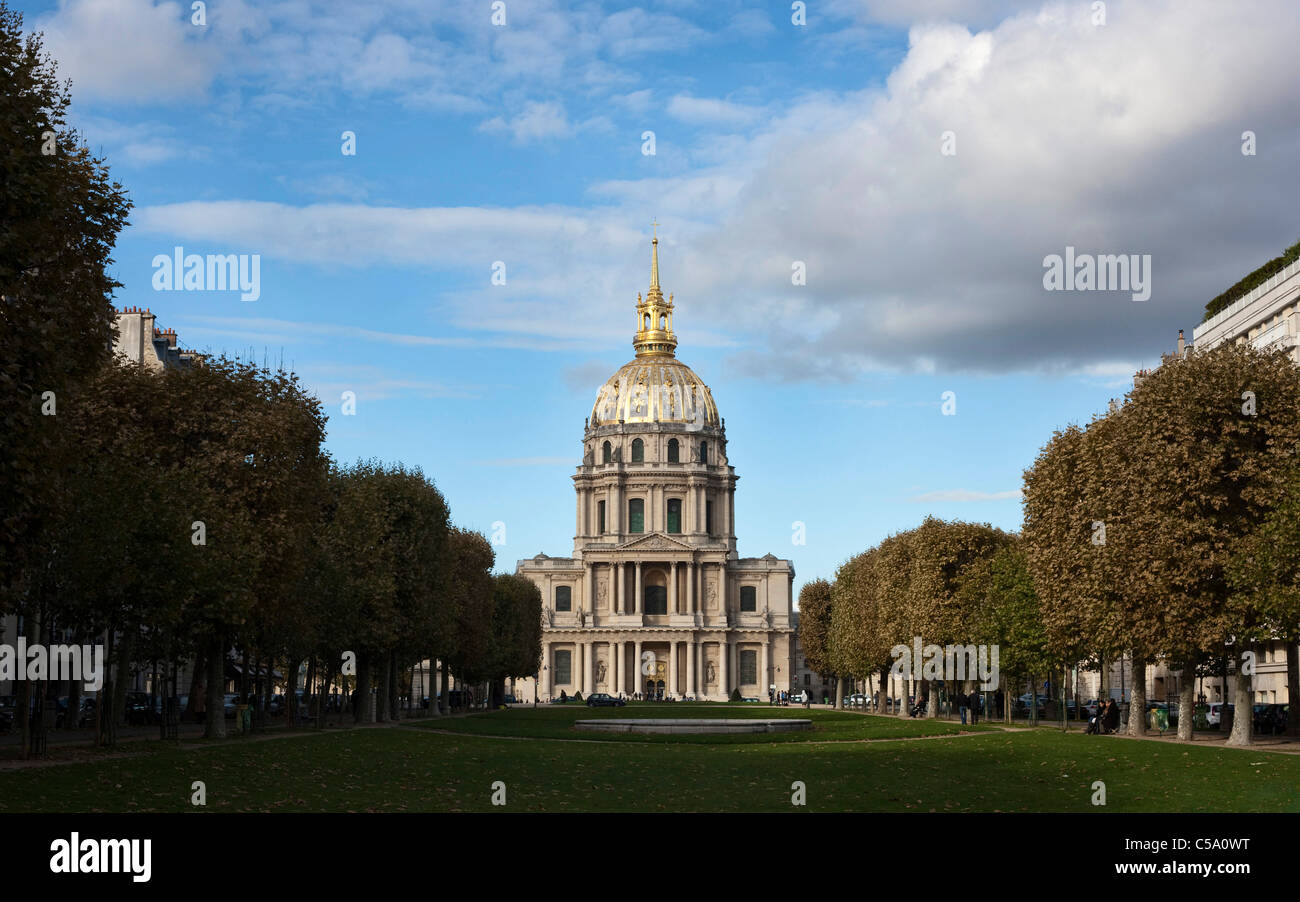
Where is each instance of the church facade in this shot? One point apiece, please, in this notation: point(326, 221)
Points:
point(655, 601)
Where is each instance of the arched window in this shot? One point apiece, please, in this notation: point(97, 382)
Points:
point(563, 598)
point(606, 454)
point(674, 515)
point(748, 598)
point(638, 451)
point(647, 322)
point(636, 515)
point(674, 456)
point(663, 322)
point(704, 452)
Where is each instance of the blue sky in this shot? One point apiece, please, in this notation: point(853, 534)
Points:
point(775, 143)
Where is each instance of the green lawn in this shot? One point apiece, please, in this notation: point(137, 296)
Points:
point(556, 722)
point(405, 769)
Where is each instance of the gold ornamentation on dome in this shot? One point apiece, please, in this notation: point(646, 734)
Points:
point(654, 316)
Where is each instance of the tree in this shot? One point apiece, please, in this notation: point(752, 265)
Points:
point(59, 218)
point(815, 629)
point(516, 631)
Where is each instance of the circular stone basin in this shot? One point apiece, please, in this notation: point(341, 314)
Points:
point(693, 725)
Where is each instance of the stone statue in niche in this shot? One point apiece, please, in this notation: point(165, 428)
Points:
point(602, 594)
point(711, 595)
point(589, 458)
point(600, 673)
point(711, 673)
point(582, 617)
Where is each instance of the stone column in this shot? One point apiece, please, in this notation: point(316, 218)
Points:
point(590, 586)
point(690, 669)
point(690, 587)
point(615, 666)
point(672, 666)
point(549, 663)
point(588, 668)
point(672, 590)
point(617, 589)
point(763, 680)
point(723, 688)
point(637, 680)
point(638, 597)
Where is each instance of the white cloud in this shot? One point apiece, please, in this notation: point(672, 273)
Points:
point(537, 122)
point(711, 111)
point(133, 50)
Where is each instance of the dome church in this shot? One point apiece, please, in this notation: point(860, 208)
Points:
point(655, 601)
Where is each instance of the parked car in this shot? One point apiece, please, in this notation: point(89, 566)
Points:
point(1214, 717)
point(509, 700)
point(85, 716)
point(604, 700)
point(139, 708)
point(1270, 718)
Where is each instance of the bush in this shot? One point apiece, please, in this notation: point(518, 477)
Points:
point(735, 695)
point(577, 696)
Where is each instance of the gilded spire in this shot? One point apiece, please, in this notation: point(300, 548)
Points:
point(654, 264)
point(654, 331)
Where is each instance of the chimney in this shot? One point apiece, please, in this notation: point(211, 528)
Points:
point(1180, 343)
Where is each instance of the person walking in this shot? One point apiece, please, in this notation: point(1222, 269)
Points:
point(806, 698)
point(961, 704)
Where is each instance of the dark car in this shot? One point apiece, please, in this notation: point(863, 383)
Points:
point(604, 700)
point(1269, 718)
point(509, 700)
point(139, 708)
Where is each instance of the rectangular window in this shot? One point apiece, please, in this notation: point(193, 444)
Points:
point(600, 518)
point(708, 517)
point(656, 599)
point(748, 598)
point(636, 515)
point(749, 668)
point(563, 667)
point(674, 515)
point(563, 598)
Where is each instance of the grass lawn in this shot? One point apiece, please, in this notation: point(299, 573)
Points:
point(413, 769)
point(556, 722)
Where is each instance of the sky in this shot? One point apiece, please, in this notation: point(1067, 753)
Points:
point(917, 161)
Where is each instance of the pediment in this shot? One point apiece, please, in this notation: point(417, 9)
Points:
point(655, 542)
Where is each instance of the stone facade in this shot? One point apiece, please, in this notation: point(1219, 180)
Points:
point(655, 600)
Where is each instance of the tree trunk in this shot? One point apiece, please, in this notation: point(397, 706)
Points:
point(122, 676)
point(381, 701)
point(1187, 704)
point(1242, 715)
point(291, 692)
point(268, 688)
point(1293, 686)
point(215, 725)
point(839, 693)
point(1137, 706)
point(196, 687)
point(932, 699)
point(445, 698)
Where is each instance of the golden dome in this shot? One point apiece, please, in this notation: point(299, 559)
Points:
point(658, 389)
